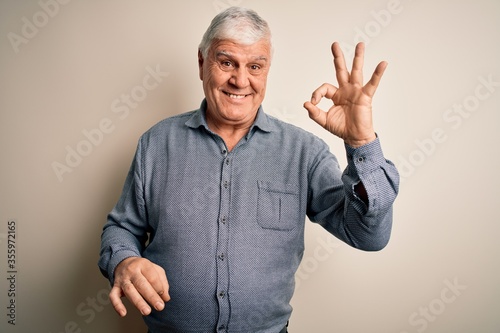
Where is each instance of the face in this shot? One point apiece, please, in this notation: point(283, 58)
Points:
point(234, 81)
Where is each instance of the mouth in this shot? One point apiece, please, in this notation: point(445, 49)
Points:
point(236, 96)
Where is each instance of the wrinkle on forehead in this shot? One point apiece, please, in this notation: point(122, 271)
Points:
point(231, 55)
point(261, 52)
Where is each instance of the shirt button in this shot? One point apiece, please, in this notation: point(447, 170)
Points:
point(226, 184)
point(361, 159)
point(221, 256)
point(223, 219)
point(224, 151)
point(222, 294)
point(227, 161)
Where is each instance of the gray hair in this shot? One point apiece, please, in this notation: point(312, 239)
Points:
point(235, 23)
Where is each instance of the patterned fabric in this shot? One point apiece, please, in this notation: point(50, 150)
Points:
point(228, 227)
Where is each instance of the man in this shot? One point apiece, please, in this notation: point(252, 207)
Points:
point(209, 230)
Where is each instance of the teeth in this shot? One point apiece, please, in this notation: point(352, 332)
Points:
point(236, 96)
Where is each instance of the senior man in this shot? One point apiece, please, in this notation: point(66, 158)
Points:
point(209, 230)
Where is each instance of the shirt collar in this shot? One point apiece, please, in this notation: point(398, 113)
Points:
point(199, 119)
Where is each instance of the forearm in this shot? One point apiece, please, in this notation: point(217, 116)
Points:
point(357, 208)
point(370, 178)
point(125, 233)
point(371, 185)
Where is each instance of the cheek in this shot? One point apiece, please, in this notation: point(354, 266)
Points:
point(209, 84)
point(215, 78)
point(260, 86)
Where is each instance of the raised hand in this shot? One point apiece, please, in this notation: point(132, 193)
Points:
point(350, 116)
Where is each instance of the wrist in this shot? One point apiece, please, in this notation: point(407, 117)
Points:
point(356, 143)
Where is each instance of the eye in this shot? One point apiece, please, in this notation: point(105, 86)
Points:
point(226, 65)
point(255, 69)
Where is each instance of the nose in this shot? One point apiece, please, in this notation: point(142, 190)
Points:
point(239, 78)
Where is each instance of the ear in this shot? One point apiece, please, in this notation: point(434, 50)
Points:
point(200, 64)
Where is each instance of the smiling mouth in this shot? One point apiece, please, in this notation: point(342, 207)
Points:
point(235, 96)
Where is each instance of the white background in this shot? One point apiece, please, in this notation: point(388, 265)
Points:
point(64, 68)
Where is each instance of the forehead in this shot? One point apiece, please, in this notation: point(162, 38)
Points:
point(260, 50)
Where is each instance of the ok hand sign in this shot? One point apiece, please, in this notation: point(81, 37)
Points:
point(350, 116)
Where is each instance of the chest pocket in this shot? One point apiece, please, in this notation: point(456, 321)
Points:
point(278, 205)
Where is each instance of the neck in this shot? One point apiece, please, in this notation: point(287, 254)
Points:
point(230, 133)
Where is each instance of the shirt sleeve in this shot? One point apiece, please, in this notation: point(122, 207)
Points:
point(334, 204)
point(125, 233)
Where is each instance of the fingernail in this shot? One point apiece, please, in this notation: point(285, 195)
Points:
point(159, 306)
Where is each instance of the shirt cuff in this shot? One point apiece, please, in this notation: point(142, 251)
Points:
point(116, 259)
point(366, 158)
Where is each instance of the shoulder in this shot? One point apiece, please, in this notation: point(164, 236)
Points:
point(167, 126)
point(170, 122)
point(294, 133)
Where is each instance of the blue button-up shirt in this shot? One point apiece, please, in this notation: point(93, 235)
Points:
point(228, 226)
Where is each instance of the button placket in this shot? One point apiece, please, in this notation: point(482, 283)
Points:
point(222, 243)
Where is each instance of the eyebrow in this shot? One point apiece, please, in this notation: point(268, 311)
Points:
point(229, 55)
